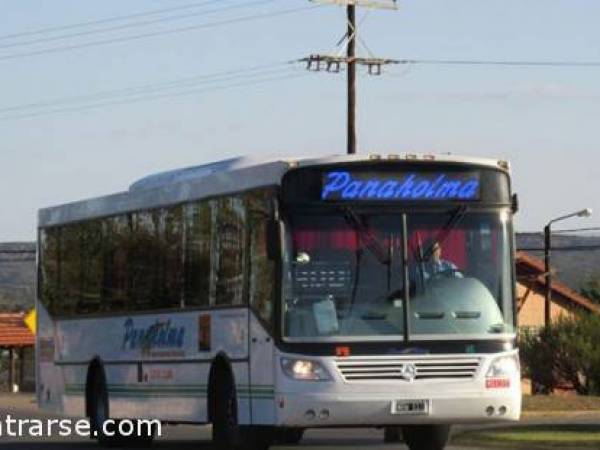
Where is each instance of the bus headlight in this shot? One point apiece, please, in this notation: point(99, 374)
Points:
point(502, 371)
point(304, 369)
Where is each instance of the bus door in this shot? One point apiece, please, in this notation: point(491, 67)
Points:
point(262, 294)
point(262, 373)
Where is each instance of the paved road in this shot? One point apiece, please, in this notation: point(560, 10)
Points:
point(184, 437)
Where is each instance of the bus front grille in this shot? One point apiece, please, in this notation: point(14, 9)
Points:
point(407, 369)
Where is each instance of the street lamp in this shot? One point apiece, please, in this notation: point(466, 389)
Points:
point(587, 212)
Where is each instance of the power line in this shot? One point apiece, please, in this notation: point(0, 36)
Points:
point(573, 230)
point(574, 248)
point(137, 92)
point(154, 97)
point(145, 88)
point(109, 19)
point(514, 63)
point(135, 24)
point(159, 33)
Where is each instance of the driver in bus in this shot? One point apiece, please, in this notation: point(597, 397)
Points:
point(436, 266)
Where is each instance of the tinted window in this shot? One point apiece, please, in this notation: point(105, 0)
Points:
point(70, 269)
point(155, 259)
point(91, 243)
point(229, 255)
point(170, 270)
point(116, 232)
point(161, 258)
point(198, 253)
point(142, 259)
point(49, 248)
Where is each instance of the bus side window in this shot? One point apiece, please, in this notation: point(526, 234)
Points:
point(155, 259)
point(198, 259)
point(116, 238)
point(50, 265)
point(70, 269)
point(91, 267)
point(230, 246)
point(262, 269)
point(169, 281)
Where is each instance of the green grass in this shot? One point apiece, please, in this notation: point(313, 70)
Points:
point(534, 437)
point(553, 403)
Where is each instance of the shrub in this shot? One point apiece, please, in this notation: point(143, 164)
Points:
point(568, 351)
point(536, 349)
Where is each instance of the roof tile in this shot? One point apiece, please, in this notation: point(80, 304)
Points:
point(14, 332)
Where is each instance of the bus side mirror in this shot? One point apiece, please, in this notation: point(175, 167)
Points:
point(274, 235)
point(515, 204)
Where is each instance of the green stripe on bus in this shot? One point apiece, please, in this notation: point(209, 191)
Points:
point(200, 390)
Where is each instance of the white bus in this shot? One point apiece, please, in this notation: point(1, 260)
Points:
point(268, 297)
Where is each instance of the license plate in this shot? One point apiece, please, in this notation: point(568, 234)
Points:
point(411, 407)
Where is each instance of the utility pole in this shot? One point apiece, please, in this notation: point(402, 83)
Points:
point(351, 55)
point(334, 63)
point(548, 270)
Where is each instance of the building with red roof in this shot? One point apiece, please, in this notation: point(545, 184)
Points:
point(531, 289)
point(16, 343)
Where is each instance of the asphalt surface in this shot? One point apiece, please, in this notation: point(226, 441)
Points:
point(181, 437)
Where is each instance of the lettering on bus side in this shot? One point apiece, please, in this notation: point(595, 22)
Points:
point(344, 185)
point(159, 335)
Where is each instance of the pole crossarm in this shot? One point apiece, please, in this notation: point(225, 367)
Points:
point(333, 64)
point(375, 4)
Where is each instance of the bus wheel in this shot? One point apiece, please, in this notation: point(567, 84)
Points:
point(426, 437)
point(226, 432)
point(392, 434)
point(289, 436)
point(98, 409)
point(258, 437)
point(99, 414)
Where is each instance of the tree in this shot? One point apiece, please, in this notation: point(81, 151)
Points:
point(565, 352)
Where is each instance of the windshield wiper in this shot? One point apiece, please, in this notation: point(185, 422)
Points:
point(366, 236)
point(371, 242)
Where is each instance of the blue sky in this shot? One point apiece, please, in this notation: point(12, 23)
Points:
point(544, 120)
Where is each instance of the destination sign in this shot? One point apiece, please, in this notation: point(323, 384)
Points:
point(394, 186)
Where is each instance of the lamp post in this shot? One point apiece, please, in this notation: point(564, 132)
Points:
point(547, 246)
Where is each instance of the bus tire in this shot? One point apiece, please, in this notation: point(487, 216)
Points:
point(392, 434)
point(426, 437)
point(226, 432)
point(289, 435)
point(98, 409)
point(99, 412)
point(258, 437)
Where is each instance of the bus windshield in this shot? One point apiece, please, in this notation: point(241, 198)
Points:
point(344, 275)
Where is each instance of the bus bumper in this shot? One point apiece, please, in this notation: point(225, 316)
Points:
point(328, 410)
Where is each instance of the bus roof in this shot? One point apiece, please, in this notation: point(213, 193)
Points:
point(219, 178)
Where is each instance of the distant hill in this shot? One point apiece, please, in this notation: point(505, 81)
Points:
point(573, 267)
point(17, 276)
